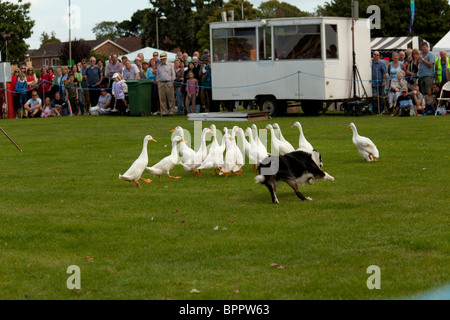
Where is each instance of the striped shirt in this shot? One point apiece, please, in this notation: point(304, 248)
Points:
point(165, 72)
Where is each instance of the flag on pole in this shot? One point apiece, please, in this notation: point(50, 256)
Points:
point(413, 11)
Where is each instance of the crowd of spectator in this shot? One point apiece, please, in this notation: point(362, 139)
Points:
point(91, 88)
point(411, 84)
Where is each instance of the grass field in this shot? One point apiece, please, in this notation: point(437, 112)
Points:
point(62, 204)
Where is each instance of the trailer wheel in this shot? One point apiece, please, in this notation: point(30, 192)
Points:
point(269, 105)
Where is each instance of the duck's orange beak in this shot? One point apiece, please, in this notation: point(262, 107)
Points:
point(154, 140)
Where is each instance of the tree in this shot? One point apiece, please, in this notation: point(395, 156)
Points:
point(276, 9)
point(80, 51)
point(133, 27)
point(15, 26)
point(250, 13)
point(46, 38)
point(178, 29)
point(106, 29)
point(430, 23)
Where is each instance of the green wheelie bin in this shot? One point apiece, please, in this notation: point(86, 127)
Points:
point(140, 97)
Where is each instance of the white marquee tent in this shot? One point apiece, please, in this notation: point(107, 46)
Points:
point(442, 45)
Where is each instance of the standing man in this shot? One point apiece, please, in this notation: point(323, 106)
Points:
point(379, 73)
point(114, 67)
point(165, 76)
point(426, 68)
point(93, 77)
point(131, 71)
point(442, 69)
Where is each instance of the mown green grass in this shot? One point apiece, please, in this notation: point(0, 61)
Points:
point(62, 202)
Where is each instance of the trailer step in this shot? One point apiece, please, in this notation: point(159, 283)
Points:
point(230, 116)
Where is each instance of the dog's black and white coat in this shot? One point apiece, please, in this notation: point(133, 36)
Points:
point(295, 168)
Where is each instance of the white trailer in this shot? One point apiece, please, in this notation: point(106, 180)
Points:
point(307, 59)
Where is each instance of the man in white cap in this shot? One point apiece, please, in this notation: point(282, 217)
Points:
point(165, 76)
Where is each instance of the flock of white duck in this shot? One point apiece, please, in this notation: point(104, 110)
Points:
point(226, 157)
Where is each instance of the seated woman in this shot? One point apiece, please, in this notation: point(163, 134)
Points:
point(395, 89)
point(104, 103)
point(59, 105)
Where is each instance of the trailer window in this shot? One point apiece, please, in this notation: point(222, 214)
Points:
point(298, 42)
point(265, 43)
point(234, 44)
point(331, 39)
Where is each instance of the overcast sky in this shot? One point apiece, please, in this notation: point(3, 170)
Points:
point(52, 15)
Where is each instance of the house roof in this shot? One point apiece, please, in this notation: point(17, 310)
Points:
point(52, 49)
point(131, 43)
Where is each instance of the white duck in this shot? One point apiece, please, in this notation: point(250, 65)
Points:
point(245, 143)
point(186, 152)
point(198, 158)
point(257, 139)
point(303, 144)
point(214, 143)
point(214, 159)
point(240, 159)
point(257, 155)
point(134, 173)
point(281, 147)
point(230, 156)
point(168, 163)
point(366, 147)
point(281, 137)
point(234, 159)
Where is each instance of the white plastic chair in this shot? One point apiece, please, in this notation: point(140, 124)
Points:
point(446, 87)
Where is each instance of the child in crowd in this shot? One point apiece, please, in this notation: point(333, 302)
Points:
point(47, 112)
point(192, 90)
point(404, 105)
point(72, 93)
point(22, 89)
point(119, 90)
point(430, 102)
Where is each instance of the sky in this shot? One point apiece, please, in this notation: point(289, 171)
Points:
point(52, 15)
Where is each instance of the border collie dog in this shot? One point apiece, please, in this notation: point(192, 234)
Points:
point(295, 168)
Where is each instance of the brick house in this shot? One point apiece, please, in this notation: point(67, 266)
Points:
point(48, 55)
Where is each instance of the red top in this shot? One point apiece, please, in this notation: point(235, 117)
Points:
point(45, 83)
point(13, 85)
point(30, 79)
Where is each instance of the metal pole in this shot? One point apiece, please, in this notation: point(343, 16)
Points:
point(70, 35)
point(157, 35)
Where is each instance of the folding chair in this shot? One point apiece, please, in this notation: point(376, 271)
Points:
point(446, 87)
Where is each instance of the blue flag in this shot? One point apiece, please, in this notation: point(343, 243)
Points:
point(413, 12)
